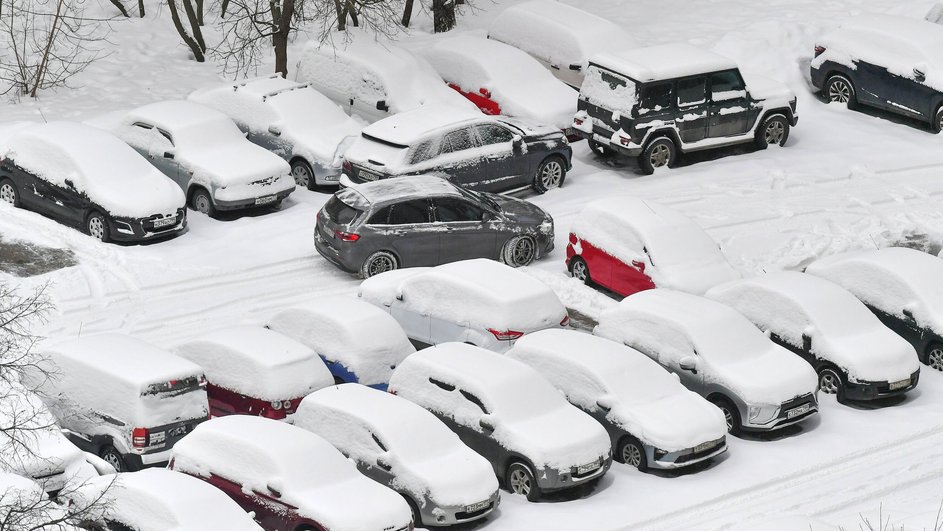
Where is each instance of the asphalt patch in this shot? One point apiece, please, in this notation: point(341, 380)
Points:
point(25, 259)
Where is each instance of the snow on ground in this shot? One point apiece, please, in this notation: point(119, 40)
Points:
point(846, 180)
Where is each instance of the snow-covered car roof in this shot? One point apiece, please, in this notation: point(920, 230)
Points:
point(407, 127)
point(178, 115)
point(157, 499)
point(97, 163)
point(481, 292)
point(665, 61)
point(357, 334)
point(644, 398)
point(892, 279)
point(683, 256)
point(563, 34)
point(257, 362)
point(262, 454)
point(397, 189)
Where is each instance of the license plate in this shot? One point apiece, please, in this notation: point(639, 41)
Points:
point(796, 411)
point(164, 222)
point(705, 446)
point(477, 506)
point(368, 175)
point(583, 469)
point(899, 385)
point(179, 430)
point(265, 200)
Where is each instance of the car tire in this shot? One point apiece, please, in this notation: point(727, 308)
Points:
point(601, 150)
point(731, 414)
point(202, 202)
point(110, 455)
point(96, 225)
point(659, 153)
point(832, 382)
point(935, 356)
point(302, 173)
point(519, 251)
point(938, 121)
point(579, 270)
point(8, 193)
point(840, 89)
point(520, 480)
point(378, 262)
point(632, 453)
point(550, 174)
point(417, 516)
point(773, 131)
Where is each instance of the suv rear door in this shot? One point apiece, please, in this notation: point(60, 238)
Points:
point(407, 227)
point(460, 158)
point(730, 110)
point(691, 97)
point(502, 165)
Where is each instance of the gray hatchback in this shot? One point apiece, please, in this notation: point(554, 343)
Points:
point(426, 221)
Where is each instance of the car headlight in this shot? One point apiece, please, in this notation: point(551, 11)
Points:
point(761, 413)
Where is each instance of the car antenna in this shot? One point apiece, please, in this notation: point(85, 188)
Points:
point(876, 246)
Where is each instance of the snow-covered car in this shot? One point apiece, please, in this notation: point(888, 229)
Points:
point(427, 221)
point(373, 79)
point(85, 177)
point(122, 399)
point(719, 354)
point(289, 477)
point(484, 153)
point(560, 36)
point(357, 341)
point(854, 354)
point(251, 370)
point(626, 244)
point(401, 445)
point(25, 505)
point(652, 420)
point(883, 61)
point(157, 499)
point(481, 302)
point(294, 121)
point(536, 441)
point(204, 152)
point(901, 286)
point(659, 102)
point(501, 79)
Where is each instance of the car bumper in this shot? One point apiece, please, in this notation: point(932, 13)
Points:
point(784, 419)
point(550, 480)
point(334, 256)
point(875, 390)
point(138, 230)
point(252, 202)
point(153, 459)
point(439, 515)
point(683, 458)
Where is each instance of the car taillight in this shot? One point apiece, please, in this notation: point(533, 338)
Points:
point(276, 405)
point(624, 140)
point(578, 121)
point(139, 437)
point(819, 50)
point(346, 236)
point(202, 382)
point(347, 166)
point(506, 335)
point(565, 321)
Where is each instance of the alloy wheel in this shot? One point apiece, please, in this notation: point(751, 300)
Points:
point(632, 455)
point(829, 382)
point(96, 228)
point(520, 482)
point(728, 417)
point(935, 358)
point(114, 460)
point(551, 174)
point(775, 132)
point(301, 175)
point(202, 204)
point(660, 156)
point(381, 264)
point(839, 91)
point(523, 252)
point(7, 193)
point(579, 270)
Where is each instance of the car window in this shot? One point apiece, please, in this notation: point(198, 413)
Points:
point(459, 140)
point(493, 134)
point(451, 209)
point(474, 400)
point(166, 135)
point(373, 88)
point(380, 217)
point(423, 152)
point(340, 212)
point(379, 443)
point(410, 212)
point(655, 97)
point(692, 91)
point(726, 85)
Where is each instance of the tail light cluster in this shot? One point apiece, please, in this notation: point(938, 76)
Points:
point(346, 236)
point(819, 50)
point(565, 321)
point(140, 438)
point(506, 335)
point(347, 166)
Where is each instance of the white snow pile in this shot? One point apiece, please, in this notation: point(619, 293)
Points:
point(157, 499)
point(311, 125)
point(257, 362)
point(110, 373)
point(842, 330)
point(678, 253)
point(361, 337)
point(670, 325)
point(480, 293)
point(665, 61)
point(385, 190)
point(529, 415)
point(18, 495)
point(426, 457)
point(98, 165)
point(935, 15)
point(644, 399)
point(269, 457)
point(899, 44)
point(893, 279)
point(517, 82)
point(557, 33)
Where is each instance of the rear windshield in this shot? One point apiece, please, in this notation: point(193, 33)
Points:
point(611, 91)
point(174, 387)
point(340, 212)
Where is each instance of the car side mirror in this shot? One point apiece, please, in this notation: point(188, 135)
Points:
point(576, 67)
point(486, 423)
point(382, 106)
point(638, 264)
point(604, 403)
point(485, 92)
point(383, 461)
point(169, 155)
point(688, 363)
point(275, 130)
point(919, 75)
point(487, 216)
point(70, 184)
point(273, 491)
point(806, 342)
point(908, 313)
point(518, 144)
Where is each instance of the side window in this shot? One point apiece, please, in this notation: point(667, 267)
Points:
point(451, 209)
point(493, 134)
point(726, 85)
point(410, 212)
point(474, 400)
point(380, 217)
point(655, 97)
point(379, 443)
point(692, 91)
point(166, 135)
point(374, 88)
point(456, 141)
point(423, 152)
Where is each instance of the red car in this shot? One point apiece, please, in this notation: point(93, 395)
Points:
point(626, 245)
point(252, 370)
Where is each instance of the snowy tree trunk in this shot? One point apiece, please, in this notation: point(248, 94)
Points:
point(407, 13)
point(443, 15)
point(192, 44)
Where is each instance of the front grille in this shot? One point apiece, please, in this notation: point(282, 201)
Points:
point(268, 181)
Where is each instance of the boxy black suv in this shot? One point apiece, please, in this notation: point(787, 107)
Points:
point(653, 103)
point(887, 62)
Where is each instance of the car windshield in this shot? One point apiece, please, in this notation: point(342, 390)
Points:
point(609, 90)
point(208, 132)
point(528, 399)
point(676, 245)
point(340, 212)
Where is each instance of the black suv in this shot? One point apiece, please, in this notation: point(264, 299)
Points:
point(653, 103)
point(891, 63)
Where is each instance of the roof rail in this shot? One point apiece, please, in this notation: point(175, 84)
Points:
point(285, 89)
point(254, 79)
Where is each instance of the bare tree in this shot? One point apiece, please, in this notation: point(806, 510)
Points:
point(254, 25)
point(120, 6)
point(194, 37)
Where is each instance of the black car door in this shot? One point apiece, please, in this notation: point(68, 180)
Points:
point(504, 166)
point(460, 160)
point(71, 205)
point(910, 95)
point(408, 229)
point(692, 102)
point(730, 110)
point(465, 235)
point(872, 84)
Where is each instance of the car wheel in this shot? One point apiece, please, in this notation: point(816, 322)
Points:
point(773, 131)
point(550, 174)
point(521, 481)
point(111, 456)
point(302, 173)
point(203, 203)
point(840, 89)
point(938, 121)
point(632, 453)
point(601, 150)
point(97, 227)
point(378, 262)
point(831, 382)
point(417, 517)
point(935, 357)
point(731, 414)
point(579, 270)
point(660, 153)
point(519, 251)
point(8, 193)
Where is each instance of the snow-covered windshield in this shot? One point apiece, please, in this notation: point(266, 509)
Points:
point(676, 245)
point(609, 90)
point(209, 132)
point(525, 399)
point(725, 336)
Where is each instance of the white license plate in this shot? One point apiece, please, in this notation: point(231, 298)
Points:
point(899, 385)
point(368, 175)
point(704, 446)
point(795, 412)
point(477, 506)
point(265, 200)
point(583, 469)
point(164, 222)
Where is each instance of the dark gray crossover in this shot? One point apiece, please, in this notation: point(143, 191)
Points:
point(426, 221)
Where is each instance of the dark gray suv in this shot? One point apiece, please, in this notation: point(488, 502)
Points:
point(425, 221)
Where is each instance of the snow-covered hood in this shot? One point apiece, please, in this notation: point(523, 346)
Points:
point(535, 131)
point(695, 278)
point(519, 210)
point(231, 164)
point(677, 422)
point(357, 504)
point(461, 477)
point(876, 356)
point(765, 88)
point(324, 144)
point(560, 439)
point(548, 103)
point(770, 377)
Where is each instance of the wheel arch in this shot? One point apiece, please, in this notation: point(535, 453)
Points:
point(663, 132)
